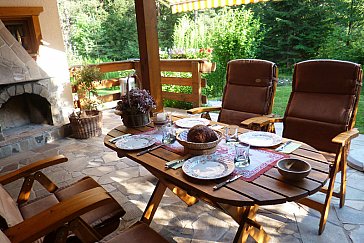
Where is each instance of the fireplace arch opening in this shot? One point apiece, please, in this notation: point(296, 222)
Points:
point(24, 109)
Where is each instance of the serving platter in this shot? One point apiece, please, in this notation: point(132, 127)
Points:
point(135, 142)
point(260, 139)
point(208, 167)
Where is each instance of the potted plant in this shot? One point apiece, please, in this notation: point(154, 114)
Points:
point(134, 107)
point(88, 121)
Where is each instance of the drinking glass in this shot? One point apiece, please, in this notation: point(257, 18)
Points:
point(169, 134)
point(231, 134)
point(242, 155)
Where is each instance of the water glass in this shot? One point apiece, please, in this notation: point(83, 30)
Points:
point(169, 134)
point(242, 155)
point(231, 134)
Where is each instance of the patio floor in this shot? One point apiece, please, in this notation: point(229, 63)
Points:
point(132, 185)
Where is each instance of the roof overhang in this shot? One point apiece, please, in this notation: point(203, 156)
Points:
point(189, 5)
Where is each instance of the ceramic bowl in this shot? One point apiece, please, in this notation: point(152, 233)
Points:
point(293, 169)
point(198, 148)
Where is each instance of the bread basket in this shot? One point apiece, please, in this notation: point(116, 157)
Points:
point(198, 148)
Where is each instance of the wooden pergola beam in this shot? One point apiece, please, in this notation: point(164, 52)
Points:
point(150, 74)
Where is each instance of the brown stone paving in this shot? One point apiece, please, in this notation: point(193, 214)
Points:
point(132, 185)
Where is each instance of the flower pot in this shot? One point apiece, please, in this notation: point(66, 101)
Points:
point(137, 120)
point(86, 127)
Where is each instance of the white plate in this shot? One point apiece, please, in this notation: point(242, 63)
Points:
point(208, 167)
point(260, 139)
point(190, 122)
point(135, 142)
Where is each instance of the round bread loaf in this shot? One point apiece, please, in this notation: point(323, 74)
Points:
point(201, 134)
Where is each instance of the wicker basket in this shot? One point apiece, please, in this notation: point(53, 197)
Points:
point(86, 127)
point(198, 148)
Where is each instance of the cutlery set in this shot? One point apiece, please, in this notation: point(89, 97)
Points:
point(218, 186)
point(280, 148)
point(114, 140)
point(175, 164)
point(150, 149)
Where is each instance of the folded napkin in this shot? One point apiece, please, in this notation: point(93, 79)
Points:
point(175, 164)
point(289, 148)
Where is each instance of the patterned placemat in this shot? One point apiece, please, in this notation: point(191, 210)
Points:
point(175, 147)
point(261, 160)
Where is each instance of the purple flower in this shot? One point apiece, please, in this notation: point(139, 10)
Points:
point(136, 101)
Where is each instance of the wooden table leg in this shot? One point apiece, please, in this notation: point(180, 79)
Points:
point(182, 194)
point(153, 203)
point(245, 217)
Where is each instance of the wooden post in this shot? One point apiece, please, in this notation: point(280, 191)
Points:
point(196, 84)
point(146, 16)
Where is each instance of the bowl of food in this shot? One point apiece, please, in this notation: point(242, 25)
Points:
point(293, 169)
point(199, 140)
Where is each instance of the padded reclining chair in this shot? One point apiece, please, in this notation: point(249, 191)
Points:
point(321, 112)
point(82, 207)
point(249, 91)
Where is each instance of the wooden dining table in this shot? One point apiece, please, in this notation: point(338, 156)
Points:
point(239, 199)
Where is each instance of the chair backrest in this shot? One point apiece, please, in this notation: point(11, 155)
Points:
point(249, 90)
point(323, 102)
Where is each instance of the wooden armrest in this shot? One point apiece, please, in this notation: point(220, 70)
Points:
point(31, 168)
point(203, 109)
point(345, 137)
point(35, 227)
point(260, 121)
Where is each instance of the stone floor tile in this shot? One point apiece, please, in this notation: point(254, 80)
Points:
point(132, 185)
point(348, 215)
point(308, 229)
point(356, 234)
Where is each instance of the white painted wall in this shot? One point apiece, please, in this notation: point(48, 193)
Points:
point(52, 56)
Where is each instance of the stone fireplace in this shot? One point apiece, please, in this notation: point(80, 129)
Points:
point(31, 113)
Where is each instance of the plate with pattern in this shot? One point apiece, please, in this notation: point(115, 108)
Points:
point(191, 121)
point(208, 167)
point(135, 142)
point(260, 139)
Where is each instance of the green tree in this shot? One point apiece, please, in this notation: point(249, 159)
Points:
point(295, 30)
point(236, 35)
point(346, 39)
point(119, 39)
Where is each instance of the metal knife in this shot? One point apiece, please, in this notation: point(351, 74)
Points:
point(218, 186)
point(172, 163)
point(150, 149)
point(113, 140)
point(283, 146)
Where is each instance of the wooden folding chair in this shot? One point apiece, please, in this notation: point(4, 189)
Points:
point(249, 91)
point(82, 207)
point(321, 112)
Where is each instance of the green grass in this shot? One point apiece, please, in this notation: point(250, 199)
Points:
point(281, 99)
point(282, 96)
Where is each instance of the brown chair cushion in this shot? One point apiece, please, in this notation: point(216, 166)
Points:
point(248, 91)
point(322, 102)
point(245, 98)
point(105, 218)
point(250, 72)
point(139, 232)
point(8, 208)
point(326, 76)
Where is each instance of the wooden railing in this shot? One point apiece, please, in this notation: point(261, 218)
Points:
point(194, 66)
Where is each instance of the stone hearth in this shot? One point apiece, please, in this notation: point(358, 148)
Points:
point(31, 112)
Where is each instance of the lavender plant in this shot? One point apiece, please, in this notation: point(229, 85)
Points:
point(136, 102)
